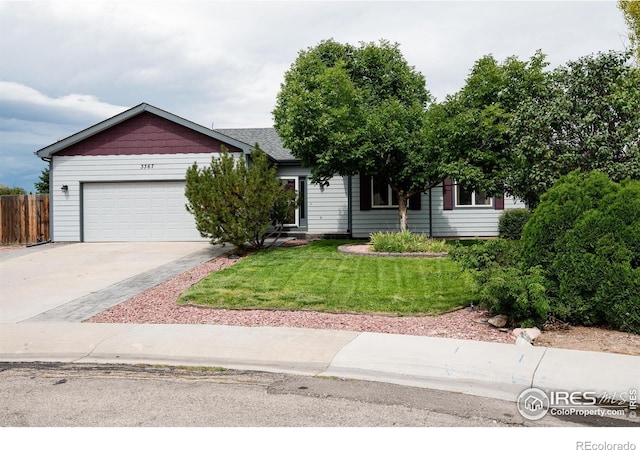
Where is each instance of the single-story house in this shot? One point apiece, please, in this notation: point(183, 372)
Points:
point(123, 180)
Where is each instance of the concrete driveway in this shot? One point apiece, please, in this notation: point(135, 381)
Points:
point(39, 279)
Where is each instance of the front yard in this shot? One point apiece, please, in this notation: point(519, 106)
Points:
point(317, 277)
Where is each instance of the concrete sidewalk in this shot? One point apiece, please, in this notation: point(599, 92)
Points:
point(486, 369)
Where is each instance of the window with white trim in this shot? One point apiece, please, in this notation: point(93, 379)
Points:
point(468, 197)
point(382, 196)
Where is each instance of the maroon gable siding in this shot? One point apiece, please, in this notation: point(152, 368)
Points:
point(145, 134)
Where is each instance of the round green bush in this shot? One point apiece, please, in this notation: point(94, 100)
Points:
point(512, 221)
point(559, 208)
point(585, 235)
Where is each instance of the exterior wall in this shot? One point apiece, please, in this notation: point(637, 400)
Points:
point(327, 208)
point(459, 222)
point(466, 221)
point(74, 170)
point(385, 219)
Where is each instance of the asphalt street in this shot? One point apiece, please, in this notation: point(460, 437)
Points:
point(82, 395)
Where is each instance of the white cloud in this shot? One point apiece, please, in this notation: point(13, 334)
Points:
point(18, 101)
point(68, 64)
point(86, 104)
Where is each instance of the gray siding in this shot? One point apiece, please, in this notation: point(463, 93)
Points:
point(326, 207)
point(385, 219)
point(459, 222)
point(467, 222)
point(74, 170)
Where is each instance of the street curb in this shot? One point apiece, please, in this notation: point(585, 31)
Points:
point(479, 368)
point(583, 371)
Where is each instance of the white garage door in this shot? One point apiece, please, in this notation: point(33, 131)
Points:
point(140, 211)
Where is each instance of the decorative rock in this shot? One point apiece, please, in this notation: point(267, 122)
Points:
point(498, 321)
point(532, 333)
point(523, 339)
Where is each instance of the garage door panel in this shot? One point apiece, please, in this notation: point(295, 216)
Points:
point(137, 211)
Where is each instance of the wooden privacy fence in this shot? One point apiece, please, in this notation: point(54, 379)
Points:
point(24, 219)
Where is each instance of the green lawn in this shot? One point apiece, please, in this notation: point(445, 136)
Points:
point(318, 277)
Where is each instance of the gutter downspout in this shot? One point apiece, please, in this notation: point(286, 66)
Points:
point(430, 216)
point(50, 199)
point(50, 161)
point(349, 206)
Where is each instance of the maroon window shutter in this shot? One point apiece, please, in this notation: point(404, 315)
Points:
point(447, 189)
point(415, 202)
point(365, 193)
point(498, 202)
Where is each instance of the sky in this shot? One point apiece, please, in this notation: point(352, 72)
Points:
point(65, 66)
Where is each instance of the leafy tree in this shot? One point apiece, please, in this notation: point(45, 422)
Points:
point(344, 110)
point(238, 204)
point(631, 11)
point(5, 190)
point(42, 186)
point(586, 117)
point(470, 130)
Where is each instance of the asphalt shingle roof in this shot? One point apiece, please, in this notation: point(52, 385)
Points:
point(267, 138)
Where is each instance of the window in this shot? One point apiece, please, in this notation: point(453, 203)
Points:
point(382, 194)
point(291, 183)
point(468, 197)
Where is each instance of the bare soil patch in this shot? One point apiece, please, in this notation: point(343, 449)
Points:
point(591, 339)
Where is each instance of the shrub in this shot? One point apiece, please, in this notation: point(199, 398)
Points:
point(586, 235)
point(483, 255)
point(560, 206)
point(238, 204)
point(596, 273)
point(516, 293)
point(512, 221)
point(405, 241)
point(504, 287)
point(4, 190)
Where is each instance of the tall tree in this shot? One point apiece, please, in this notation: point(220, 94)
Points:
point(42, 186)
point(586, 118)
point(345, 110)
point(631, 11)
point(470, 130)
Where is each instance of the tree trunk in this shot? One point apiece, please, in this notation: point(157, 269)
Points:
point(402, 212)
